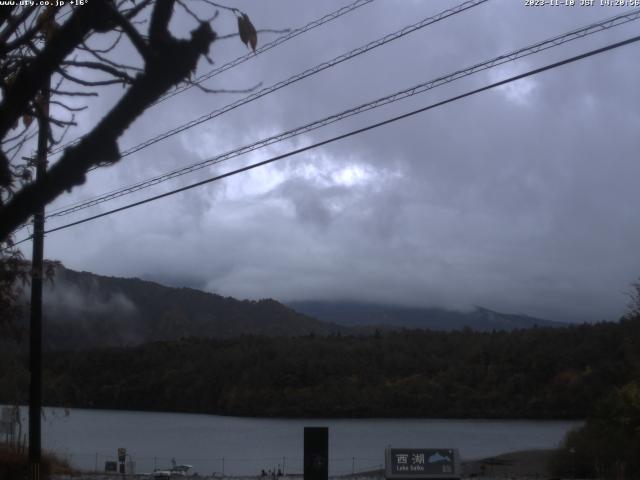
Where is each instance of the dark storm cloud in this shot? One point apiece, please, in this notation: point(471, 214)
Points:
point(517, 199)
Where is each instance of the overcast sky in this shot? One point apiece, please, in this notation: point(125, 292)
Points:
point(520, 199)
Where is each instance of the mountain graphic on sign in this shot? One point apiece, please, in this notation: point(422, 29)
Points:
point(436, 457)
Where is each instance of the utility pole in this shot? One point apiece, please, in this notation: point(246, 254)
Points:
point(35, 351)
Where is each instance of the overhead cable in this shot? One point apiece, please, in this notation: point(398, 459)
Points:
point(307, 73)
point(248, 56)
point(268, 46)
point(353, 132)
point(408, 92)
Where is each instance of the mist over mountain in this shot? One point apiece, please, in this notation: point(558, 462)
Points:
point(85, 310)
point(354, 314)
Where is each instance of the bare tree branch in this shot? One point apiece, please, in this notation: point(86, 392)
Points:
point(74, 94)
point(159, 28)
point(223, 7)
point(31, 78)
point(87, 83)
point(105, 50)
point(99, 147)
point(67, 107)
point(13, 24)
point(131, 13)
point(16, 148)
point(94, 53)
point(122, 75)
point(15, 137)
point(189, 11)
point(134, 36)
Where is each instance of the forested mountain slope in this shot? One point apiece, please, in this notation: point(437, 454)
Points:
point(536, 373)
point(84, 310)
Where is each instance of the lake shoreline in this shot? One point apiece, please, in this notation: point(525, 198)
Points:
point(88, 439)
point(515, 465)
point(506, 418)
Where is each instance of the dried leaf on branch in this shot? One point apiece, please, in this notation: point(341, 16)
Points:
point(247, 31)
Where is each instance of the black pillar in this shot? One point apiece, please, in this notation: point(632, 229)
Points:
point(316, 453)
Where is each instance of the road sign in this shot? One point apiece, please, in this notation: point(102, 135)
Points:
point(422, 463)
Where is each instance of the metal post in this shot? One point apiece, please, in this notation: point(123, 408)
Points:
point(316, 453)
point(35, 352)
point(223, 466)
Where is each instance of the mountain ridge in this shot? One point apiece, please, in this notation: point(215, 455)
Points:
point(89, 310)
point(84, 310)
point(360, 314)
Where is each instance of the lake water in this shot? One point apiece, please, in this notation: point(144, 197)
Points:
point(244, 446)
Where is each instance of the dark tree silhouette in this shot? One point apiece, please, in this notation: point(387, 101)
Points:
point(634, 304)
point(55, 56)
point(28, 63)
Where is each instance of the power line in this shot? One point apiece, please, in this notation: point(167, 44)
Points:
point(307, 73)
point(237, 61)
point(355, 132)
point(294, 33)
point(414, 90)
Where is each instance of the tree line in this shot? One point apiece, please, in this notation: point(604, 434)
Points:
point(537, 373)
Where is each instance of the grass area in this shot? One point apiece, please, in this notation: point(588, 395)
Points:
point(13, 464)
point(521, 464)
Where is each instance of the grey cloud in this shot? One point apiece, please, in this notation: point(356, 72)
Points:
point(521, 206)
point(60, 295)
